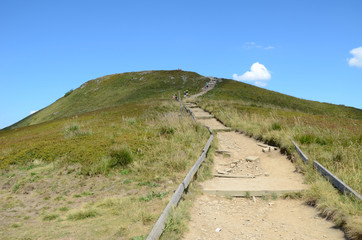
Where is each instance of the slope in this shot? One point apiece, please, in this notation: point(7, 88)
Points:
point(116, 90)
point(101, 162)
point(231, 90)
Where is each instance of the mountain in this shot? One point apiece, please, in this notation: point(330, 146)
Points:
point(113, 150)
point(116, 90)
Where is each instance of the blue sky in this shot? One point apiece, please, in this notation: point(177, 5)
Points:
point(50, 47)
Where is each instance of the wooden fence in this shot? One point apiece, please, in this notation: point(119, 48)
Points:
point(336, 182)
point(158, 228)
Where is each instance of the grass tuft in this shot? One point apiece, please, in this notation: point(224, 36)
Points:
point(120, 156)
point(50, 217)
point(276, 126)
point(82, 214)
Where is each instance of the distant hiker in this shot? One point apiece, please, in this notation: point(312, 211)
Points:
point(187, 93)
point(207, 85)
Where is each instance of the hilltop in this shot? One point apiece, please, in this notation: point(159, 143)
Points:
point(124, 88)
point(117, 90)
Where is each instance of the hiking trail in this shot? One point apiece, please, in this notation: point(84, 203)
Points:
point(246, 167)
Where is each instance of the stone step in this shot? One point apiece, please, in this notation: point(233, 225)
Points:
point(243, 193)
point(204, 117)
point(221, 129)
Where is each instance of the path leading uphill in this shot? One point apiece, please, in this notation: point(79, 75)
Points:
point(245, 167)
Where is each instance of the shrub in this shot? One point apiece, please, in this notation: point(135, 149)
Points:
point(82, 214)
point(309, 139)
point(50, 217)
point(306, 139)
point(68, 93)
point(74, 130)
point(276, 126)
point(166, 130)
point(131, 121)
point(152, 195)
point(120, 156)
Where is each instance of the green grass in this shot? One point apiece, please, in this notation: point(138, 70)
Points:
point(330, 134)
point(249, 95)
point(82, 214)
point(50, 217)
point(117, 90)
point(120, 135)
point(135, 156)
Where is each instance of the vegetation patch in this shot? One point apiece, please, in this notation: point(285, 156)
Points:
point(68, 93)
point(152, 196)
point(50, 217)
point(82, 214)
point(120, 156)
point(81, 182)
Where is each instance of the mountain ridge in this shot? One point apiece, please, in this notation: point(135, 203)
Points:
point(121, 88)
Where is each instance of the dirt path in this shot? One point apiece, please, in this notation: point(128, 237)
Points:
point(243, 166)
point(241, 218)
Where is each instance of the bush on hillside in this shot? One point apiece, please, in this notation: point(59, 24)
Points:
point(68, 93)
point(120, 156)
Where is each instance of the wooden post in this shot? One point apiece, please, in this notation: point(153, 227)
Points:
point(179, 98)
point(336, 182)
point(301, 154)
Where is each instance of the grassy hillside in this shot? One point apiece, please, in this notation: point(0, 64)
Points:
point(116, 90)
point(254, 96)
point(106, 174)
point(328, 133)
point(101, 162)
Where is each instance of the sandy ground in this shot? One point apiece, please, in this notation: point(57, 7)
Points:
point(263, 169)
point(240, 218)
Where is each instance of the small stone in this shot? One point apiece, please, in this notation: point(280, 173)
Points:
point(232, 165)
point(221, 172)
point(254, 199)
point(228, 170)
point(266, 174)
point(252, 158)
point(266, 150)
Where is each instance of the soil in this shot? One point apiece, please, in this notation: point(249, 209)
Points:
point(241, 218)
point(262, 170)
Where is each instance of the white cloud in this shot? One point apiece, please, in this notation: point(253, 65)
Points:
point(257, 73)
point(250, 45)
point(356, 61)
point(32, 112)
